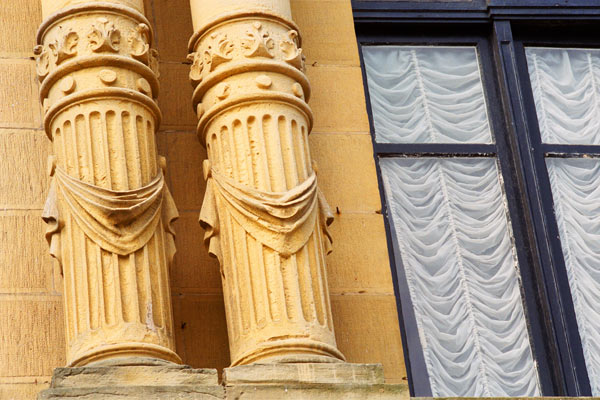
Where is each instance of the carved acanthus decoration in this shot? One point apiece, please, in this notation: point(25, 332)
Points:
point(293, 54)
point(197, 68)
point(65, 46)
point(109, 211)
point(138, 41)
point(154, 64)
point(104, 36)
point(258, 42)
point(218, 51)
point(263, 215)
point(42, 61)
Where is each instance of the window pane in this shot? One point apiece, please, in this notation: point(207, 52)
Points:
point(426, 94)
point(576, 193)
point(565, 86)
point(455, 242)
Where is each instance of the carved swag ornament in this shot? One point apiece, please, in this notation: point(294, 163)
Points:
point(282, 221)
point(121, 222)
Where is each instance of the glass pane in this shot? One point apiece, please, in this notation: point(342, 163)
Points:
point(576, 193)
point(455, 242)
point(565, 86)
point(426, 94)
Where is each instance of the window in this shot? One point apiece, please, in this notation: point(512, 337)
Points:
point(566, 94)
point(487, 140)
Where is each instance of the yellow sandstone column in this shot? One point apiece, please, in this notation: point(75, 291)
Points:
point(109, 210)
point(264, 217)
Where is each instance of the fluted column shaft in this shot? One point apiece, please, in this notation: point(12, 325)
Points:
point(109, 212)
point(264, 217)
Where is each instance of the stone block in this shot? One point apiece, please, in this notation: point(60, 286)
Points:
point(359, 262)
point(32, 337)
point(185, 169)
point(175, 98)
point(367, 331)
point(134, 379)
point(346, 173)
point(19, 106)
point(338, 99)
point(327, 31)
point(173, 30)
point(25, 264)
point(23, 157)
point(322, 381)
point(306, 373)
point(201, 330)
point(136, 372)
point(22, 390)
point(193, 268)
point(18, 27)
point(133, 393)
point(318, 392)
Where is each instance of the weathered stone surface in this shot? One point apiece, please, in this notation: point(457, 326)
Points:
point(135, 393)
point(158, 380)
point(317, 392)
point(161, 374)
point(155, 379)
point(314, 381)
point(307, 373)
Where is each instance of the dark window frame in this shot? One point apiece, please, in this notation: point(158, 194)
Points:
point(547, 300)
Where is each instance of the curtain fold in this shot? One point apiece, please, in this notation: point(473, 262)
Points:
point(451, 222)
point(426, 94)
point(576, 193)
point(455, 242)
point(566, 90)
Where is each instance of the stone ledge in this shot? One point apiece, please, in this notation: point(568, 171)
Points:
point(317, 392)
point(168, 375)
point(135, 393)
point(325, 381)
point(136, 379)
point(144, 379)
point(311, 373)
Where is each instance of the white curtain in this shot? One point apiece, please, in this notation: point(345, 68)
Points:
point(456, 247)
point(576, 193)
point(426, 94)
point(566, 89)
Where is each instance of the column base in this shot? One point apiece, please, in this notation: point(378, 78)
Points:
point(137, 379)
point(318, 381)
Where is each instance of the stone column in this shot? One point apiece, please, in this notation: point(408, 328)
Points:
point(263, 214)
point(109, 211)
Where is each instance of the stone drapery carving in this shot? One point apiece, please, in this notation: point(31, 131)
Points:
point(264, 217)
point(282, 221)
point(109, 211)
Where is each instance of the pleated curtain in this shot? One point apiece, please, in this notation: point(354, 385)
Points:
point(452, 224)
point(566, 89)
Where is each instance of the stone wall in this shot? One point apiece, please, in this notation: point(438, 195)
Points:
point(31, 319)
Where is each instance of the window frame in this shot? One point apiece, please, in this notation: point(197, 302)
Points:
point(546, 293)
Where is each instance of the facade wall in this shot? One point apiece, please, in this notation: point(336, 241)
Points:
point(31, 319)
